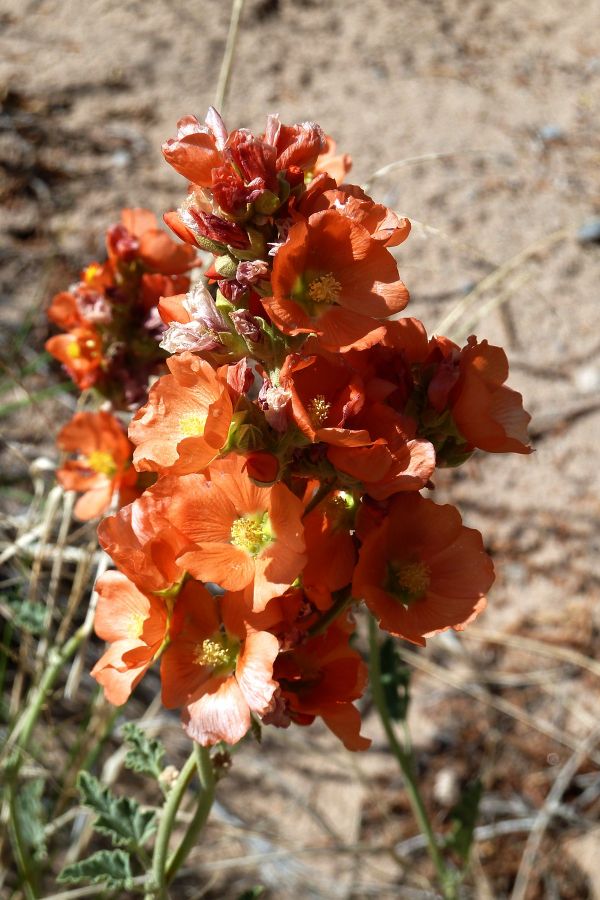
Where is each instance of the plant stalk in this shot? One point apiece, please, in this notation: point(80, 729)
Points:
point(162, 871)
point(406, 762)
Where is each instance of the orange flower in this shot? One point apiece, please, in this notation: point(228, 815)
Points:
point(351, 201)
point(194, 153)
point(80, 352)
point(330, 550)
point(135, 625)
point(103, 467)
point(321, 677)
point(421, 571)
point(246, 536)
point(331, 278)
point(395, 460)
point(325, 394)
point(297, 146)
point(186, 421)
point(488, 414)
point(64, 312)
point(143, 543)
point(217, 666)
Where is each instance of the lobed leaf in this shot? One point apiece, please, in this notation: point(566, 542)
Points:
point(120, 818)
point(111, 867)
point(146, 754)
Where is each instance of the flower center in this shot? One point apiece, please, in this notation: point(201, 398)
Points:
point(251, 533)
point(73, 350)
point(324, 289)
point(318, 408)
point(216, 652)
point(408, 581)
point(136, 625)
point(92, 272)
point(192, 424)
point(102, 462)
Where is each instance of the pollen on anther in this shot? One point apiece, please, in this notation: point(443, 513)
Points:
point(192, 424)
point(318, 409)
point(324, 289)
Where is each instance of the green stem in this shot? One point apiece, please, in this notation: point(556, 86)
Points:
point(205, 801)
point(406, 762)
point(162, 871)
point(20, 739)
point(227, 62)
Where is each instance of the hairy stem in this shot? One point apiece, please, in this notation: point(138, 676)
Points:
point(406, 761)
point(207, 783)
point(162, 871)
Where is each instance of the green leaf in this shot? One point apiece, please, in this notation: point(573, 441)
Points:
point(395, 679)
point(29, 811)
point(464, 818)
point(146, 754)
point(111, 867)
point(120, 818)
point(252, 893)
point(28, 616)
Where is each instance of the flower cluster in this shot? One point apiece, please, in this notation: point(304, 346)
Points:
point(289, 444)
point(109, 318)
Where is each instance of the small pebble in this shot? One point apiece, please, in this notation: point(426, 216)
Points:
point(587, 379)
point(549, 133)
point(589, 233)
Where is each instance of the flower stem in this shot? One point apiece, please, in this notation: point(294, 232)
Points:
point(162, 871)
point(19, 739)
point(205, 800)
point(406, 761)
point(227, 63)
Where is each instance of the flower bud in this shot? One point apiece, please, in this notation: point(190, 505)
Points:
point(247, 325)
point(251, 271)
point(267, 203)
point(226, 266)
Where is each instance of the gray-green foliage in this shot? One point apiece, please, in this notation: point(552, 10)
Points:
point(29, 811)
point(145, 754)
point(464, 818)
point(109, 867)
point(120, 818)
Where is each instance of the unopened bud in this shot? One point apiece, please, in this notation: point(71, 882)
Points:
point(168, 776)
point(210, 246)
point(267, 203)
point(250, 272)
point(247, 325)
point(226, 266)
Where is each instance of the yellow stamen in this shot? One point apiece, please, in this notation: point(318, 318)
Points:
point(103, 462)
point(91, 272)
point(324, 289)
point(192, 424)
point(137, 625)
point(73, 350)
point(215, 652)
point(251, 534)
point(318, 408)
point(409, 581)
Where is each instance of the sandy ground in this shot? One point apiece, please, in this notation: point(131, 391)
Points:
point(505, 97)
